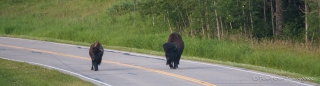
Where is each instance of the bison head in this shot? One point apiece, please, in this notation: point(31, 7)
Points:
point(97, 48)
point(171, 50)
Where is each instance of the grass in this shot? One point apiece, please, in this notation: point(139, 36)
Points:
point(23, 74)
point(84, 22)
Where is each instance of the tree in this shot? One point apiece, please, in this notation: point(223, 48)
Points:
point(265, 14)
point(279, 17)
point(306, 19)
point(319, 16)
point(260, 19)
point(217, 21)
point(134, 8)
point(272, 16)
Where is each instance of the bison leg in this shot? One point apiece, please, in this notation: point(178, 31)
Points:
point(92, 66)
point(178, 59)
point(95, 66)
point(169, 62)
point(175, 64)
point(170, 65)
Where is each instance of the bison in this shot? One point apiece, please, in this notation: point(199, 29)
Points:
point(96, 53)
point(173, 50)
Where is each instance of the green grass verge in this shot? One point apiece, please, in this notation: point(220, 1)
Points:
point(84, 22)
point(23, 74)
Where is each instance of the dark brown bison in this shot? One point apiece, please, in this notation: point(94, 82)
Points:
point(96, 53)
point(173, 50)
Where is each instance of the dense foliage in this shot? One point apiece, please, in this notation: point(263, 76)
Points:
point(296, 20)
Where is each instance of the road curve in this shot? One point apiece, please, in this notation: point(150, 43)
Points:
point(120, 68)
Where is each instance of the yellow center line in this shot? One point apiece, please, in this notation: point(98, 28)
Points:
point(118, 63)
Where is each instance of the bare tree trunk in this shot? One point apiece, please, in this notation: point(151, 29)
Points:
point(319, 17)
point(264, 14)
point(226, 28)
point(241, 30)
point(306, 20)
point(153, 24)
point(185, 25)
point(190, 19)
point(251, 20)
point(202, 29)
point(221, 24)
point(208, 30)
point(189, 22)
point(169, 26)
point(272, 18)
point(279, 17)
point(177, 26)
point(207, 21)
point(169, 23)
point(231, 25)
point(203, 32)
point(245, 28)
point(217, 21)
point(244, 23)
point(134, 4)
point(312, 39)
point(202, 22)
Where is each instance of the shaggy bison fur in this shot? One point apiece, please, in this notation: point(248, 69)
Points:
point(96, 53)
point(173, 50)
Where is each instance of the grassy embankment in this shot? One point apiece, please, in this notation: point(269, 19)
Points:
point(84, 22)
point(24, 74)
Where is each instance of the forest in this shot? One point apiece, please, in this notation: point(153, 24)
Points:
point(293, 20)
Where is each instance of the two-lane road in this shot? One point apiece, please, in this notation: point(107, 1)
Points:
point(120, 68)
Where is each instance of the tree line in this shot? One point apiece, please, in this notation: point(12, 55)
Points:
point(297, 20)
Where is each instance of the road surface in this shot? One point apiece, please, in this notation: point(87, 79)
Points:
point(120, 68)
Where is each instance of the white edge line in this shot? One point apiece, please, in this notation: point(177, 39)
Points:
point(216, 65)
point(233, 68)
point(250, 72)
point(138, 54)
point(73, 73)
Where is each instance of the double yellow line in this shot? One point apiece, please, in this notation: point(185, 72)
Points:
point(118, 63)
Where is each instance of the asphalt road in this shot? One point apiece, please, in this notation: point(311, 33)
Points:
point(121, 68)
